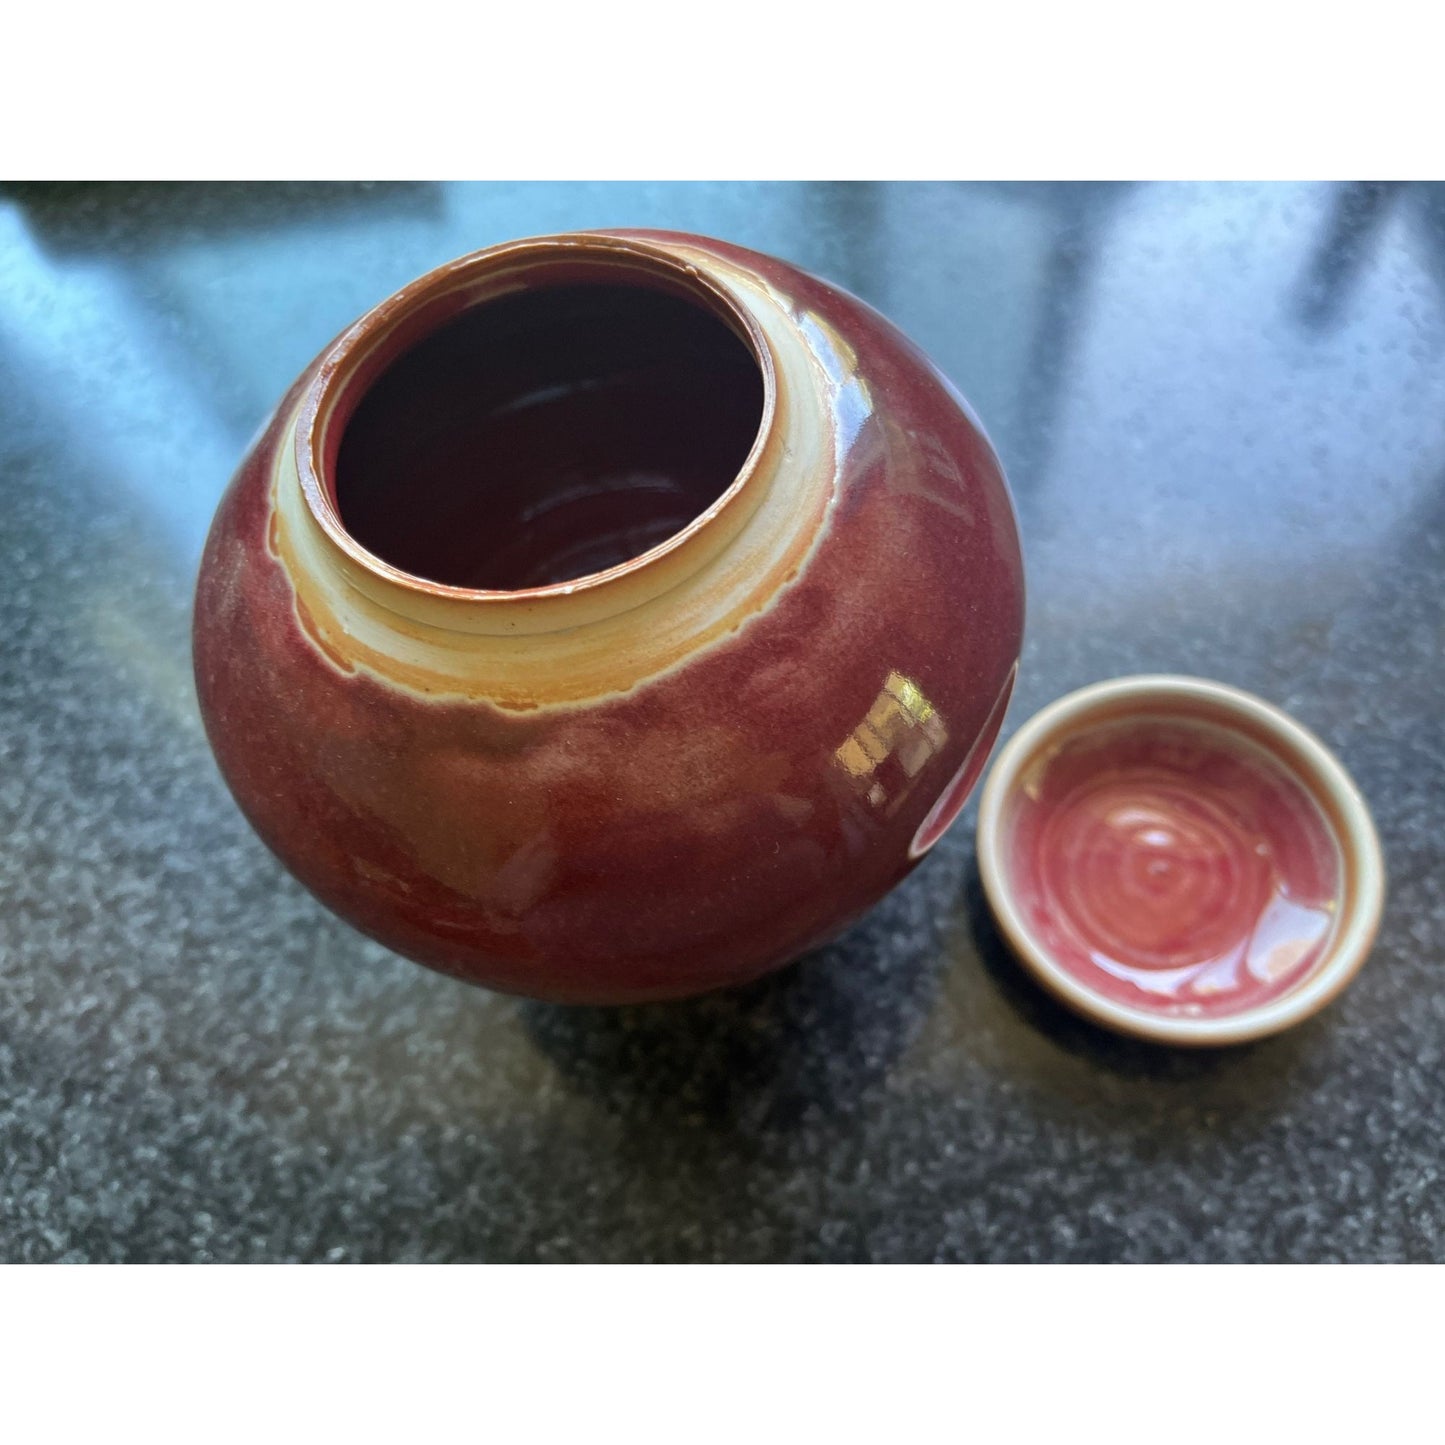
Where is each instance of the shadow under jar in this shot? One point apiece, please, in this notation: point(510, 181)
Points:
point(610, 616)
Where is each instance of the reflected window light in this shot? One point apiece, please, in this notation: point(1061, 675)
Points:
point(73, 328)
point(851, 401)
point(899, 733)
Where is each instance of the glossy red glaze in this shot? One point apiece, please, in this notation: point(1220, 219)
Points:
point(1172, 865)
point(660, 779)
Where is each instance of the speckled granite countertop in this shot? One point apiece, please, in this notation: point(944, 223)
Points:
point(1223, 413)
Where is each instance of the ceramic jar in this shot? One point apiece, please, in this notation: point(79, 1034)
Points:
point(610, 616)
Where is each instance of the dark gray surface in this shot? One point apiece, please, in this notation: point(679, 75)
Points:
point(1223, 413)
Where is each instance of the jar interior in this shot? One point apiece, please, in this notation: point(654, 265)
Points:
point(548, 434)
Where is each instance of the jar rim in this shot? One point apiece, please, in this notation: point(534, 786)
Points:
point(356, 358)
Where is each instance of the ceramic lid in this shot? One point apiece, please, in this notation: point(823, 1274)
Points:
point(1179, 860)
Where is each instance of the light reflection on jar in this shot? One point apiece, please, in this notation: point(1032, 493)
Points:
point(899, 733)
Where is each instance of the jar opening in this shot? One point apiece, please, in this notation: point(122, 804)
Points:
point(558, 419)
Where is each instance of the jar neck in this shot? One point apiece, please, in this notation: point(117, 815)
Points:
point(609, 632)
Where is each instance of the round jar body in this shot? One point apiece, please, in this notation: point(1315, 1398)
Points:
point(626, 727)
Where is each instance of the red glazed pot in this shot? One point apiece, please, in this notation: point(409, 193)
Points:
point(610, 616)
